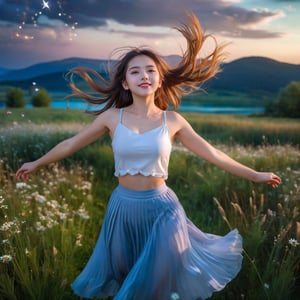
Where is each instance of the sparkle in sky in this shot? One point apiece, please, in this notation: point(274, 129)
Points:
point(31, 20)
point(45, 4)
point(33, 31)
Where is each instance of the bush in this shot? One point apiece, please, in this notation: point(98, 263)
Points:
point(289, 101)
point(41, 99)
point(15, 98)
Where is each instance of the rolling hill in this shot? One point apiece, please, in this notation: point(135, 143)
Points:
point(255, 74)
point(248, 75)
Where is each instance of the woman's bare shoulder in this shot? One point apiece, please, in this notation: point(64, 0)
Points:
point(109, 114)
point(176, 122)
point(174, 116)
point(109, 119)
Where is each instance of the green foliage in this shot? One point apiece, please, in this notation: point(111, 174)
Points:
point(41, 98)
point(62, 208)
point(289, 101)
point(43, 115)
point(225, 129)
point(15, 98)
point(49, 224)
point(57, 215)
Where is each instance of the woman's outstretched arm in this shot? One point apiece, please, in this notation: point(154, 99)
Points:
point(195, 143)
point(67, 147)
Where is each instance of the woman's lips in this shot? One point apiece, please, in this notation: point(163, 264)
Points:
point(144, 85)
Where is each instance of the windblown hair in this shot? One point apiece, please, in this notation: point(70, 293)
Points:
point(177, 81)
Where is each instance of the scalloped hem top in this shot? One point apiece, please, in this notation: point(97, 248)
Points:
point(146, 153)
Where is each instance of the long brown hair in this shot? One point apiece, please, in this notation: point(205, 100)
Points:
point(177, 81)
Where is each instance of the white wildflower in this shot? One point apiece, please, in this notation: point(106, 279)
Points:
point(78, 240)
point(78, 243)
point(271, 213)
point(86, 185)
point(83, 213)
point(21, 185)
point(53, 204)
point(40, 227)
point(42, 217)
point(266, 286)
point(27, 252)
point(5, 258)
point(6, 226)
point(39, 198)
point(62, 216)
point(293, 242)
point(51, 223)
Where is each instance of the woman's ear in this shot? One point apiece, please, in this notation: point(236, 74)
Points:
point(125, 85)
point(160, 83)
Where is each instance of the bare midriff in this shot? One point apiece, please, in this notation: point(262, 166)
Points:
point(140, 182)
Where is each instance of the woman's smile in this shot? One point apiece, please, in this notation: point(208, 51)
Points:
point(145, 85)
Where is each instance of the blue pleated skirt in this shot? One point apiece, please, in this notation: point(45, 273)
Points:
point(149, 250)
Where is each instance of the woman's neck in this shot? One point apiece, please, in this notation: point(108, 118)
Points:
point(143, 108)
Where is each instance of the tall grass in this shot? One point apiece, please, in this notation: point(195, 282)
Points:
point(246, 130)
point(225, 129)
point(27, 116)
point(46, 231)
point(49, 224)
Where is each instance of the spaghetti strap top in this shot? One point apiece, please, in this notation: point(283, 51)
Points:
point(146, 153)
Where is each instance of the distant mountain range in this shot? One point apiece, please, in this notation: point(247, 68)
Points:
point(249, 74)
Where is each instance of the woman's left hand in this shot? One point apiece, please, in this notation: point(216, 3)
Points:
point(268, 178)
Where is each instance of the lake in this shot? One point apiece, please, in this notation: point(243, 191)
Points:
point(185, 107)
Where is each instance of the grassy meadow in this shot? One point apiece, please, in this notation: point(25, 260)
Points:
point(50, 223)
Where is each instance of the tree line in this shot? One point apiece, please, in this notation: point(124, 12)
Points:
point(287, 103)
point(15, 98)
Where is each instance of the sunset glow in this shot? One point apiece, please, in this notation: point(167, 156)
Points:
point(52, 30)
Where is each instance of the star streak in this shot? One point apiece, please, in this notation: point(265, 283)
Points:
point(31, 19)
point(45, 4)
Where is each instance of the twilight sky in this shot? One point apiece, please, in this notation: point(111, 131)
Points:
point(40, 31)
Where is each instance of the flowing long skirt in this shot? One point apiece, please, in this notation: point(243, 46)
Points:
point(149, 250)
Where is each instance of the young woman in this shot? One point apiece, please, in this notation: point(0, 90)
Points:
point(148, 249)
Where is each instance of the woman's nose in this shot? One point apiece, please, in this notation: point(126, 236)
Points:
point(145, 75)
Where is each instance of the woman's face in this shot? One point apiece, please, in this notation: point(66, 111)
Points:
point(142, 77)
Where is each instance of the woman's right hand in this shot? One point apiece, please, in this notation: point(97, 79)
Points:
point(26, 169)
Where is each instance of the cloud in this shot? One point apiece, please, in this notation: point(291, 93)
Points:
point(30, 33)
point(217, 16)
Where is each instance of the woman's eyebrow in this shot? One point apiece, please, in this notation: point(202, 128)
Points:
point(138, 67)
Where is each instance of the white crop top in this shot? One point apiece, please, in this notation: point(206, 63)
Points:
point(146, 153)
